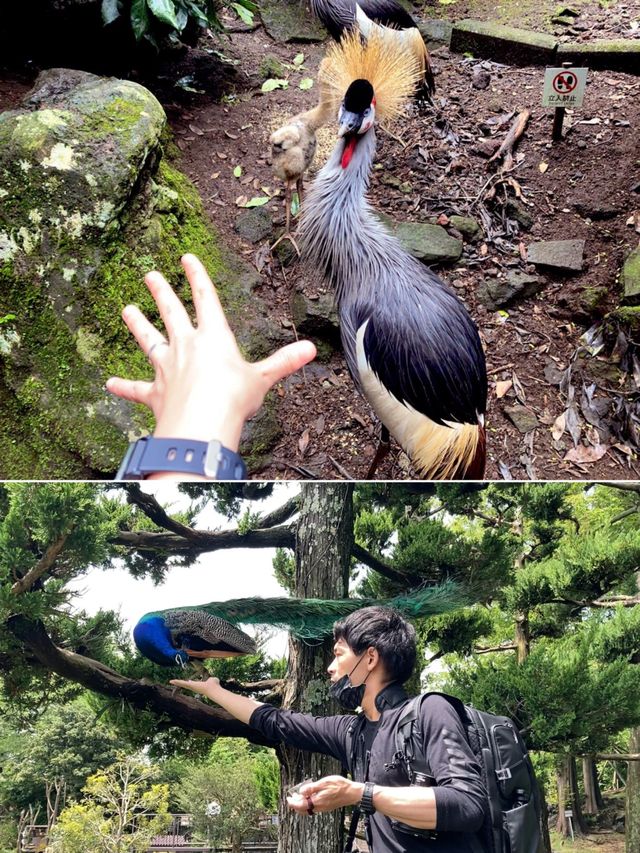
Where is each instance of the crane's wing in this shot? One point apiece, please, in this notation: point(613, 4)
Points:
point(201, 631)
point(422, 346)
point(389, 13)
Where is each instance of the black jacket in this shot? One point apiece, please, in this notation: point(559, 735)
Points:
point(460, 793)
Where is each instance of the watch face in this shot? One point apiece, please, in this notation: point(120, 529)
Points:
point(212, 459)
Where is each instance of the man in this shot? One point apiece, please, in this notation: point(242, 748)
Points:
point(375, 653)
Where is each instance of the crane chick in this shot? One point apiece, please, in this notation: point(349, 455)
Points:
point(293, 147)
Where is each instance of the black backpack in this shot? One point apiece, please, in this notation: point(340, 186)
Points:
point(512, 821)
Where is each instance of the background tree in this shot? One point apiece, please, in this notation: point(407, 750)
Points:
point(122, 810)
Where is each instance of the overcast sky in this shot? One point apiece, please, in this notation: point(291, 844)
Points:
point(234, 573)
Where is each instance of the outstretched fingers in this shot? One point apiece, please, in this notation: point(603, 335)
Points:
point(209, 311)
point(134, 390)
point(286, 361)
point(174, 316)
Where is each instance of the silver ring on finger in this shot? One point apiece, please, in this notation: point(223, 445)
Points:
point(157, 344)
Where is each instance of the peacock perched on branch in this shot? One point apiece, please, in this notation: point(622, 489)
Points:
point(177, 635)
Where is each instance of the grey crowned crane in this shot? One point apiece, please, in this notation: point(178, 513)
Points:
point(388, 19)
point(410, 345)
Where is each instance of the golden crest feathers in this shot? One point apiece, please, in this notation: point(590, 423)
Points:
point(392, 68)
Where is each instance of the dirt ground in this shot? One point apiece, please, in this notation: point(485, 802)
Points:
point(585, 187)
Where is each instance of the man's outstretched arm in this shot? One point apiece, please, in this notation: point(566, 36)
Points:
point(304, 731)
point(240, 707)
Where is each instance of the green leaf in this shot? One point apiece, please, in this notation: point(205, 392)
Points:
point(139, 18)
point(110, 11)
point(165, 11)
point(298, 59)
point(237, 171)
point(274, 83)
point(257, 201)
point(7, 318)
point(182, 16)
point(295, 204)
point(245, 15)
point(305, 83)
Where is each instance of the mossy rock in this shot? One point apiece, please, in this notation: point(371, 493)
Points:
point(289, 21)
point(89, 207)
point(271, 66)
point(630, 278)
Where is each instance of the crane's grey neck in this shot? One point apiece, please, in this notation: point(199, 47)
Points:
point(339, 230)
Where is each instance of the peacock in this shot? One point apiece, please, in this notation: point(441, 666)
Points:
point(179, 635)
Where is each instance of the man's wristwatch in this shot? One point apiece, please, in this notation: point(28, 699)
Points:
point(150, 455)
point(366, 803)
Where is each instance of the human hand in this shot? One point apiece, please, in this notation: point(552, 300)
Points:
point(203, 388)
point(325, 795)
point(205, 688)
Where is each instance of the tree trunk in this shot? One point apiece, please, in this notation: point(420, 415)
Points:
point(323, 549)
point(568, 799)
point(593, 797)
point(632, 814)
point(523, 636)
point(545, 838)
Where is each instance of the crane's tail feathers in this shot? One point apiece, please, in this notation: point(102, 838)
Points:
point(310, 618)
point(427, 80)
point(393, 71)
point(451, 451)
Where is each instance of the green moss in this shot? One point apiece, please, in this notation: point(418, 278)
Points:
point(623, 317)
point(262, 433)
point(271, 66)
point(593, 299)
point(120, 113)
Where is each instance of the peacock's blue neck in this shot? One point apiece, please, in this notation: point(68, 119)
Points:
point(153, 639)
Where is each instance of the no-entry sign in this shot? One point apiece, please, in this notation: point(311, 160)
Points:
point(564, 87)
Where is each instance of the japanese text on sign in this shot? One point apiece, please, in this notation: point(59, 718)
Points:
point(564, 87)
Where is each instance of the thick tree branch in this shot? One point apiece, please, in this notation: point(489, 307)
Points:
point(275, 537)
point(279, 516)
point(183, 711)
point(503, 647)
point(381, 567)
point(613, 756)
point(624, 600)
point(156, 513)
point(42, 566)
point(625, 487)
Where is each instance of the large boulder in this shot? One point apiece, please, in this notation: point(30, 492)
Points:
point(88, 206)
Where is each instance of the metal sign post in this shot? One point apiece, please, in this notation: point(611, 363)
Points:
point(563, 87)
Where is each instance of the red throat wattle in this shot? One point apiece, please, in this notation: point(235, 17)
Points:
point(349, 148)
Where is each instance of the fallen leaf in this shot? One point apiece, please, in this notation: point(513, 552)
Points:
point(443, 219)
point(505, 471)
point(215, 175)
point(195, 129)
point(274, 83)
point(230, 135)
point(305, 83)
point(585, 455)
point(503, 387)
point(256, 201)
point(241, 200)
point(221, 155)
point(298, 59)
point(518, 387)
point(359, 419)
point(237, 171)
point(542, 167)
point(557, 430)
point(319, 425)
point(303, 442)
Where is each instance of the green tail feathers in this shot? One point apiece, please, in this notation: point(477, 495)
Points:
point(313, 618)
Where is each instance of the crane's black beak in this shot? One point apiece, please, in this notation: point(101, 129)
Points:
point(349, 122)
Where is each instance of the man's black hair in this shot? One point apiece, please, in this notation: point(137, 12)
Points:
point(387, 631)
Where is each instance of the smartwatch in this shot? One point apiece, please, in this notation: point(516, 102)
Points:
point(150, 455)
point(366, 803)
